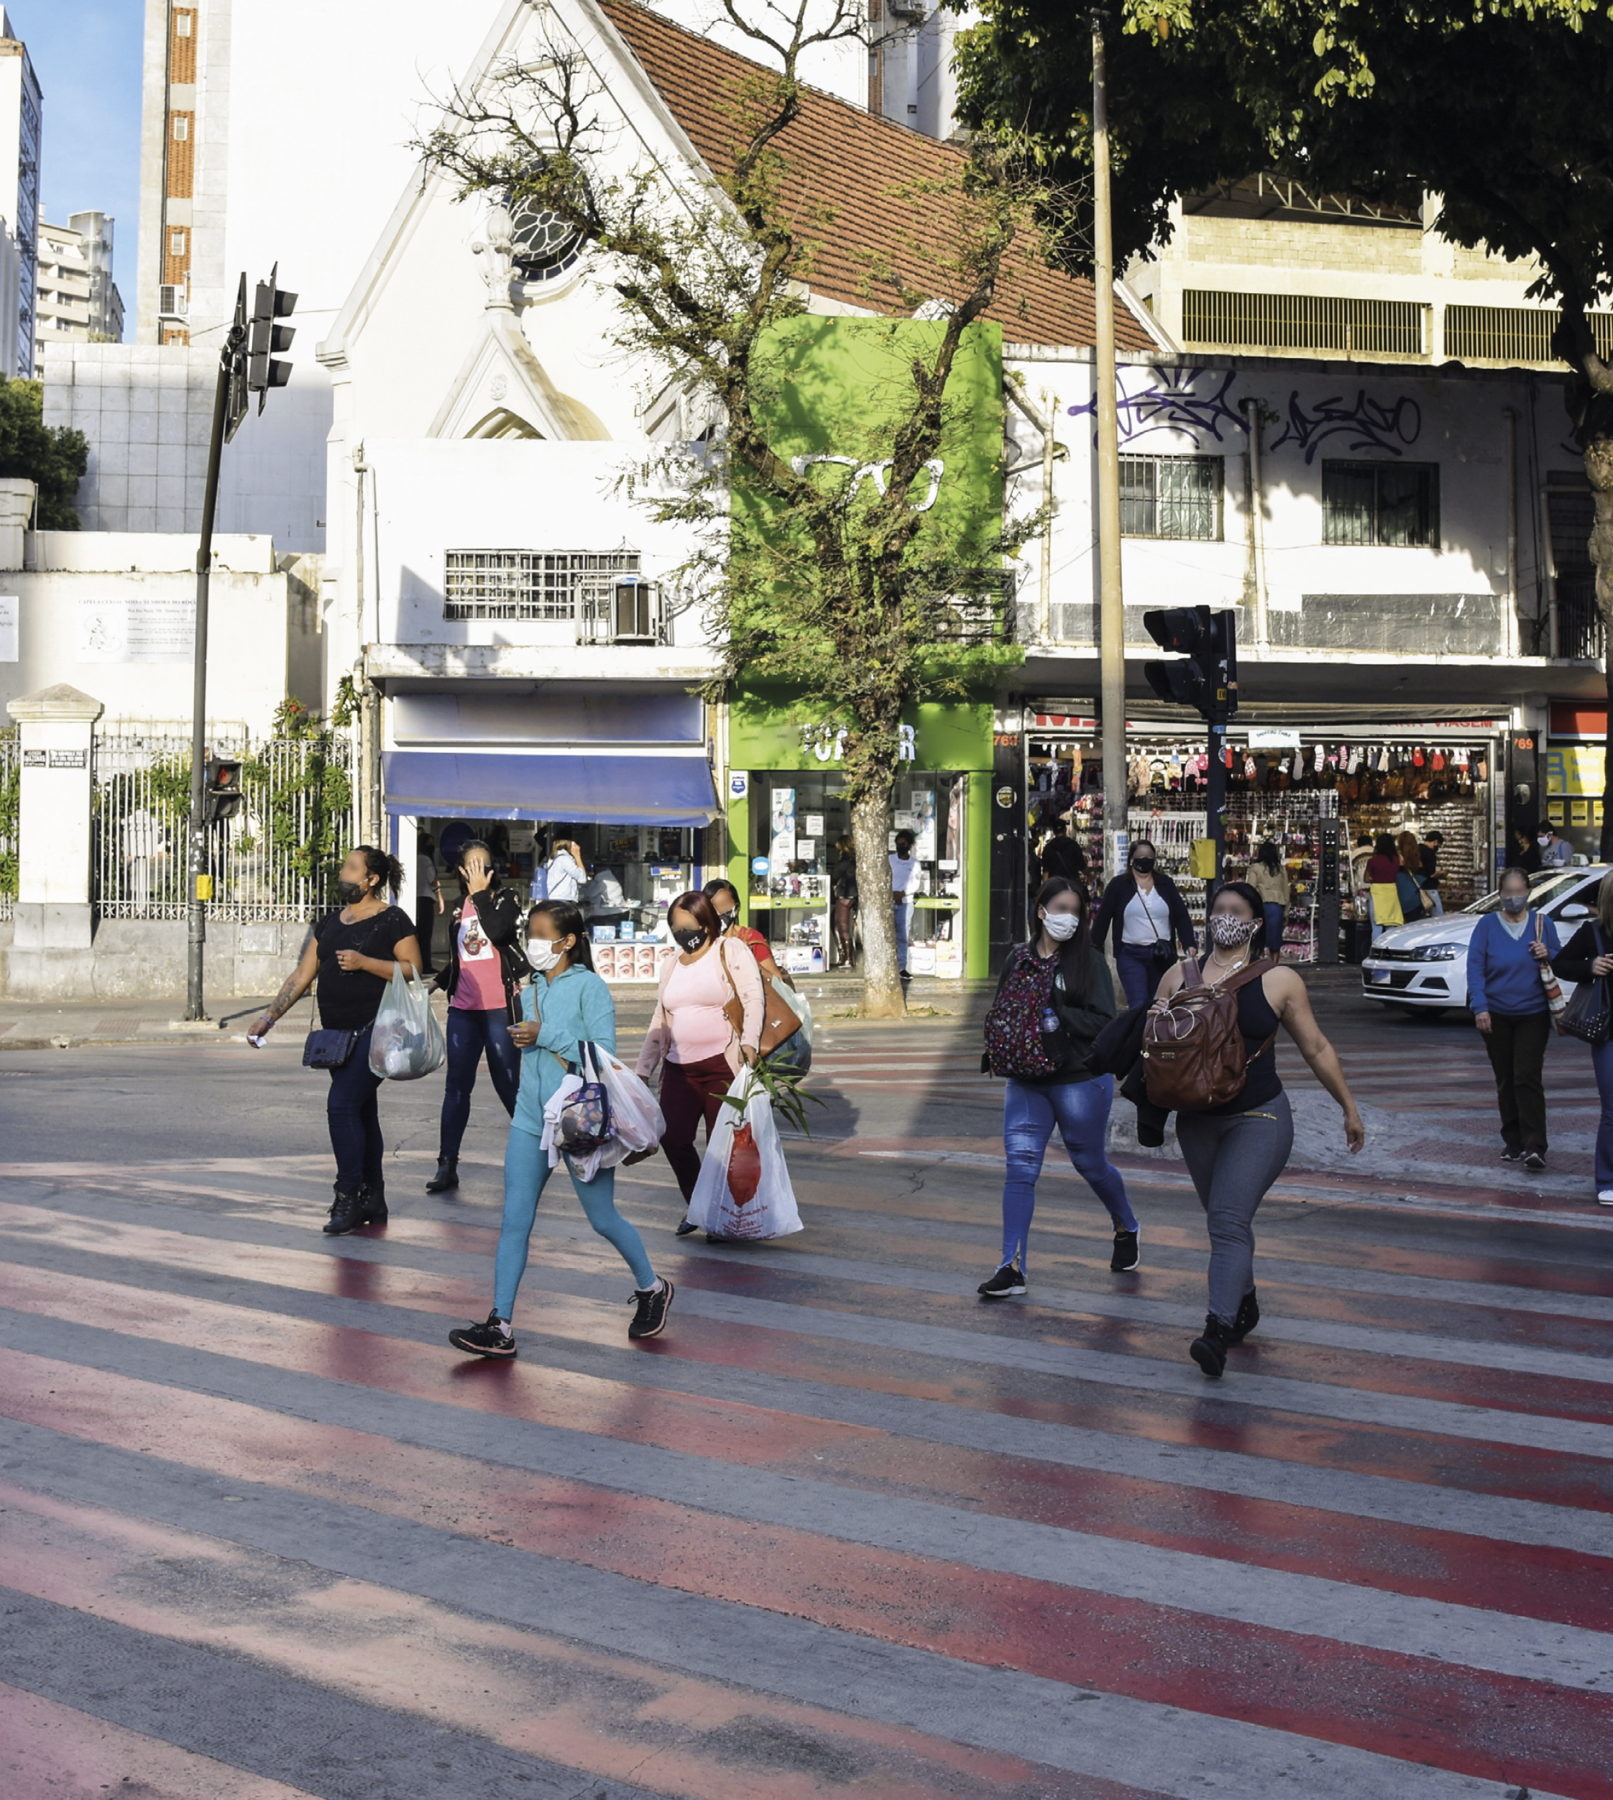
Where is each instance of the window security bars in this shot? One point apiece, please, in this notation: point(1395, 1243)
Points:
point(1513, 334)
point(537, 586)
point(276, 859)
point(1215, 320)
point(1171, 496)
point(1394, 505)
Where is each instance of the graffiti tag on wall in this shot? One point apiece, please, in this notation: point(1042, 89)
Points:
point(1368, 425)
point(1193, 400)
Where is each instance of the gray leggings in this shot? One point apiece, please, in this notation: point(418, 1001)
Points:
point(1233, 1158)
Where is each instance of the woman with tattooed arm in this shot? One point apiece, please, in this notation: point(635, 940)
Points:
point(352, 954)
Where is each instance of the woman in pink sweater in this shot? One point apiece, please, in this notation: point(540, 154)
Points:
point(691, 1039)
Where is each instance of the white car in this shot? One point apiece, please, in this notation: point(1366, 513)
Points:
point(1424, 965)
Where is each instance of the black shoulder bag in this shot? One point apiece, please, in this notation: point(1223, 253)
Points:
point(1589, 1015)
point(328, 1048)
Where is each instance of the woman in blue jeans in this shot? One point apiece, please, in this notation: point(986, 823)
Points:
point(352, 952)
point(1588, 956)
point(484, 966)
point(565, 1006)
point(1073, 1099)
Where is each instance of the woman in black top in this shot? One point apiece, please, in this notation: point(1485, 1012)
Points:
point(352, 952)
point(1235, 1151)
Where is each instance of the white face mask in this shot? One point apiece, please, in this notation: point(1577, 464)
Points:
point(542, 953)
point(1061, 926)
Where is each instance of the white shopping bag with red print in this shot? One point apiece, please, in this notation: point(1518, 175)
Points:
point(744, 1190)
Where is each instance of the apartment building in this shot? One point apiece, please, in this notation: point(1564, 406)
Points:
point(21, 112)
point(78, 301)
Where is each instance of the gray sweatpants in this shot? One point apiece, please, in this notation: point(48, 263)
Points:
point(1233, 1159)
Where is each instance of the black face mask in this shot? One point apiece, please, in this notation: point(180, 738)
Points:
point(1144, 865)
point(689, 940)
point(726, 920)
point(350, 893)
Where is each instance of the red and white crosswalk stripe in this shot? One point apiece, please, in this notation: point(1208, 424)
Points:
point(843, 1529)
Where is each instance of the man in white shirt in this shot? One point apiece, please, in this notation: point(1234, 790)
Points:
point(904, 878)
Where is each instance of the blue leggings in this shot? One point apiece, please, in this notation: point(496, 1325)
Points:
point(1080, 1109)
point(526, 1171)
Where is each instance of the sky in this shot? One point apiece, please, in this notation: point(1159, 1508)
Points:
point(86, 54)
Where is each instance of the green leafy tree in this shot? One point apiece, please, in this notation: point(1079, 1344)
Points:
point(52, 455)
point(1500, 109)
point(859, 599)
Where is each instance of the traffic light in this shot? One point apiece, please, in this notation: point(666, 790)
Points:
point(265, 339)
point(221, 795)
point(1206, 677)
point(235, 394)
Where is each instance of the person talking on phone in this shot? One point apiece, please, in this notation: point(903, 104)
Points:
point(352, 953)
point(1144, 913)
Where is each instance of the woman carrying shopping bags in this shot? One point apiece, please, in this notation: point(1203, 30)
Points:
point(565, 1006)
point(352, 953)
point(485, 965)
point(1587, 957)
point(1269, 879)
point(1082, 998)
point(708, 1020)
point(1236, 1149)
point(1505, 958)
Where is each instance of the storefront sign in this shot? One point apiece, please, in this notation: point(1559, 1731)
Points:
point(1281, 739)
point(1005, 797)
point(1577, 769)
point(138, 630)
point(739, 784)
point(758, 865)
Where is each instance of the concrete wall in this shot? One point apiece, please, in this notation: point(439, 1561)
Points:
point(144, 959)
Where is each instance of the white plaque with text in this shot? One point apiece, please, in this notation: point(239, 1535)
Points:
point(137, 630)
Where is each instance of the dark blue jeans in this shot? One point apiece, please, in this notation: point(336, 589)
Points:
point(1139, 973)
point(355, 1121)
point(469, 1034)
point(1276, 920)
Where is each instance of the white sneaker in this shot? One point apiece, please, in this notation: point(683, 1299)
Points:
point(1604, 1196)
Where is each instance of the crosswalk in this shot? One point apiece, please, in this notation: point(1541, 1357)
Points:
point(845, 1529)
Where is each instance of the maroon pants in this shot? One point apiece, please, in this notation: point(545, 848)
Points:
point(690, 1092)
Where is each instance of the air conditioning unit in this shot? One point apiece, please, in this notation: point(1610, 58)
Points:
point(172, 300)
point(633, 611)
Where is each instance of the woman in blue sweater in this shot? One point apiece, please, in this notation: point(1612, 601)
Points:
point(565, 1005)
point(1509, 1006)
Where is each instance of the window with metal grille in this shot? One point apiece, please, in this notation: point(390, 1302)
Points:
point(1513, 334)
point(1390, 504)
point(181, 128)
point(1303, 322)
point(1171, 496)
point(533, 584)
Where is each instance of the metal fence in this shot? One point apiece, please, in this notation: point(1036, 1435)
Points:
point(276, 859)
point(1216, 320)
point(10, 784)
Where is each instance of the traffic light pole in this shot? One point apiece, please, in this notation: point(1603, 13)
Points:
point(196, 908)
point(1111, 604)
point(1215, 801)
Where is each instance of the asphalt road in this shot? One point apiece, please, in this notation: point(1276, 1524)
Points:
point(844, 1529)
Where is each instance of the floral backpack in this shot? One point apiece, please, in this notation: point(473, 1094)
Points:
point(1017, 1041)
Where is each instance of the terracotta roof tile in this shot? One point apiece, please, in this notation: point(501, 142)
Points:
point(845, 163)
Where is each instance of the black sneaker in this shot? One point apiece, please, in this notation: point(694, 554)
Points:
point(1209, 1348)
point(1512, 1153)
point(487, 1339)
point(653, 1305)
point(1248, 1318)
point(1006, 1281)
point(1534, 1161)
point(1127, 1254)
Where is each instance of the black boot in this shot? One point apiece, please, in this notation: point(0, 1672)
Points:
point(1248, 1318)
point(447, 1175)
point(1209, 1348)
point(374, 1199)
point(348, 1212)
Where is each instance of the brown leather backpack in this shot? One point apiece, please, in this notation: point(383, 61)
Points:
point(1193, 1052)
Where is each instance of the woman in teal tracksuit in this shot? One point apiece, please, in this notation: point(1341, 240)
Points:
point(565, 1005)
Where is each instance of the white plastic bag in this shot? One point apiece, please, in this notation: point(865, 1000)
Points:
point(635, 1113)
point(768, 1211)
point(406, 1041)
point(798, 1003)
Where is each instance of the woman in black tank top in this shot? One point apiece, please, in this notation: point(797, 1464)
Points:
point(1236, 1150)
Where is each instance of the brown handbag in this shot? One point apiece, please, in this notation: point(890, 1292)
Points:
point(779, 1019)
point(1194, 1055)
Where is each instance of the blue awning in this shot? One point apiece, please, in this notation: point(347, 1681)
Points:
point(672, 787)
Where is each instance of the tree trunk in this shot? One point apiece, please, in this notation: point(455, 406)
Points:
point(1599, 471)
point(870, 836)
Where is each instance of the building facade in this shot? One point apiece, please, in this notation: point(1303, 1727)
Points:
point(21, 116)
point(78, 301)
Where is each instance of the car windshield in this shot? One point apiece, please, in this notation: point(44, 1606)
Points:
point(1550, 885)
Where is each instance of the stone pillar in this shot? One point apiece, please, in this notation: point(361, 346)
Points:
point(17, 499)
point(51, 956)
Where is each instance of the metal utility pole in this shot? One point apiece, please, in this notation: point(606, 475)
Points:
point(1111, 607)
point(245, 364)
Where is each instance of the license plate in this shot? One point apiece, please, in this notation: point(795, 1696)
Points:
point(1378, 975)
